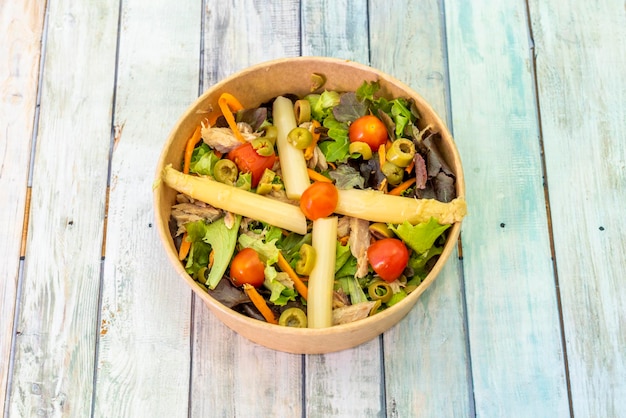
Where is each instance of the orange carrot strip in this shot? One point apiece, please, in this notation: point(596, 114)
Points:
point(297, 281)
point(260, 303)
point(383, 186)
point(185, 246)
point(211, 258)
point(382, 155)
point(397, 191)
point(229, 104)
point(191, 144)
point(308, 152)
point(332, 165)
point(410, 167)
point(344, 240)
point(315, 176)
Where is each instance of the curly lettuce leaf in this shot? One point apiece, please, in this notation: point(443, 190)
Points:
point(420, 237)
point(280, 286)
point(337, 148)
point(203, 160)
point(322, 104)
point(268, 252)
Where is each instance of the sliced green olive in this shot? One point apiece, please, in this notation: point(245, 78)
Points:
point(393, 173)
point(401, 152)
point(271, 133)
point(225, 171)
point(293, 317)
point(380, 290)
point(380, 230)
point(265, 183)
point(300, 137)
point(305, 264)
point(358, 147)
point(263, 146)
point(302, 109)
point(317, 81)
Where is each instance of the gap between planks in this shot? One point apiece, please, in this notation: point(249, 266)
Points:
point(533, 59)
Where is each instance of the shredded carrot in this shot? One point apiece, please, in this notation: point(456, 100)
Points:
point(382, 155)
point(217, 153)
point(383, 186)
point(308, 152)
point(315, 176)
point(410, 167)
point(332, 165)
point(191, 144)
point(229, 104)
point(297, 281)
point(388, 144)
point(211, 258)
point(213, 116)
point(260, 303)
point(397, 191)
point(185, 246)
point(344, 240)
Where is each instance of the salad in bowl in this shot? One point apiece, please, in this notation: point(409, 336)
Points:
point(319, 207)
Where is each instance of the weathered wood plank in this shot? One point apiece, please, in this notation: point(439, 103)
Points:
point(513, 321)
point(427, 370)
point(230, 375)
point(581, 61)
point(21, 26)
point(143, 359)
point(56, 329)
point(340, 29)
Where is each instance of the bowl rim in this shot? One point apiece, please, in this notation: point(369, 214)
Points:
point(410, 299)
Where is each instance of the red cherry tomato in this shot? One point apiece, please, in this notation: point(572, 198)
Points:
point(249, 161)
point(319, 200)
point(368, 129)
point(247, 267)
point(388, 257)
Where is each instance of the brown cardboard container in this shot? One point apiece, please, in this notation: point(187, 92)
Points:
point(256, 85)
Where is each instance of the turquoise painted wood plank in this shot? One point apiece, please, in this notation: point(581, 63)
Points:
point(21, 27)
point(340, 29)
point(232, 376)
point(144, 347)
point(513, 319)
point(426, 360)
point(56, 328)
point(581, 61)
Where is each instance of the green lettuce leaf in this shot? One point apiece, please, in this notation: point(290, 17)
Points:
point(337, 148)
point(203, 160)
point(223, 241)
point(420, 237)
point(275, 283)
point(268, 252)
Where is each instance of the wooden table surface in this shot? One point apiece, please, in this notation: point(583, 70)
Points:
point(527, 320)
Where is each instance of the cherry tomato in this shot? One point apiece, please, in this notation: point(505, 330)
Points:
point(247, 267)
point(388, 257)
point(319, 200)
point(368, 129)
point(249, 161)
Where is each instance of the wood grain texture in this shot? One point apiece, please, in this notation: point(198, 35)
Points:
point(54, 350)
point(143, 358)
point(340, 29)
point(21, 26)
point(513, 321)
point(581, 62)
point(426, 361)
point(232, 376)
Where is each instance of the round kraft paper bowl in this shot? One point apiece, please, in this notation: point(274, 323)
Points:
point(252, 87)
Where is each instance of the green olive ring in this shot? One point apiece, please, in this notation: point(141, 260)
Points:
point(401, 152)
